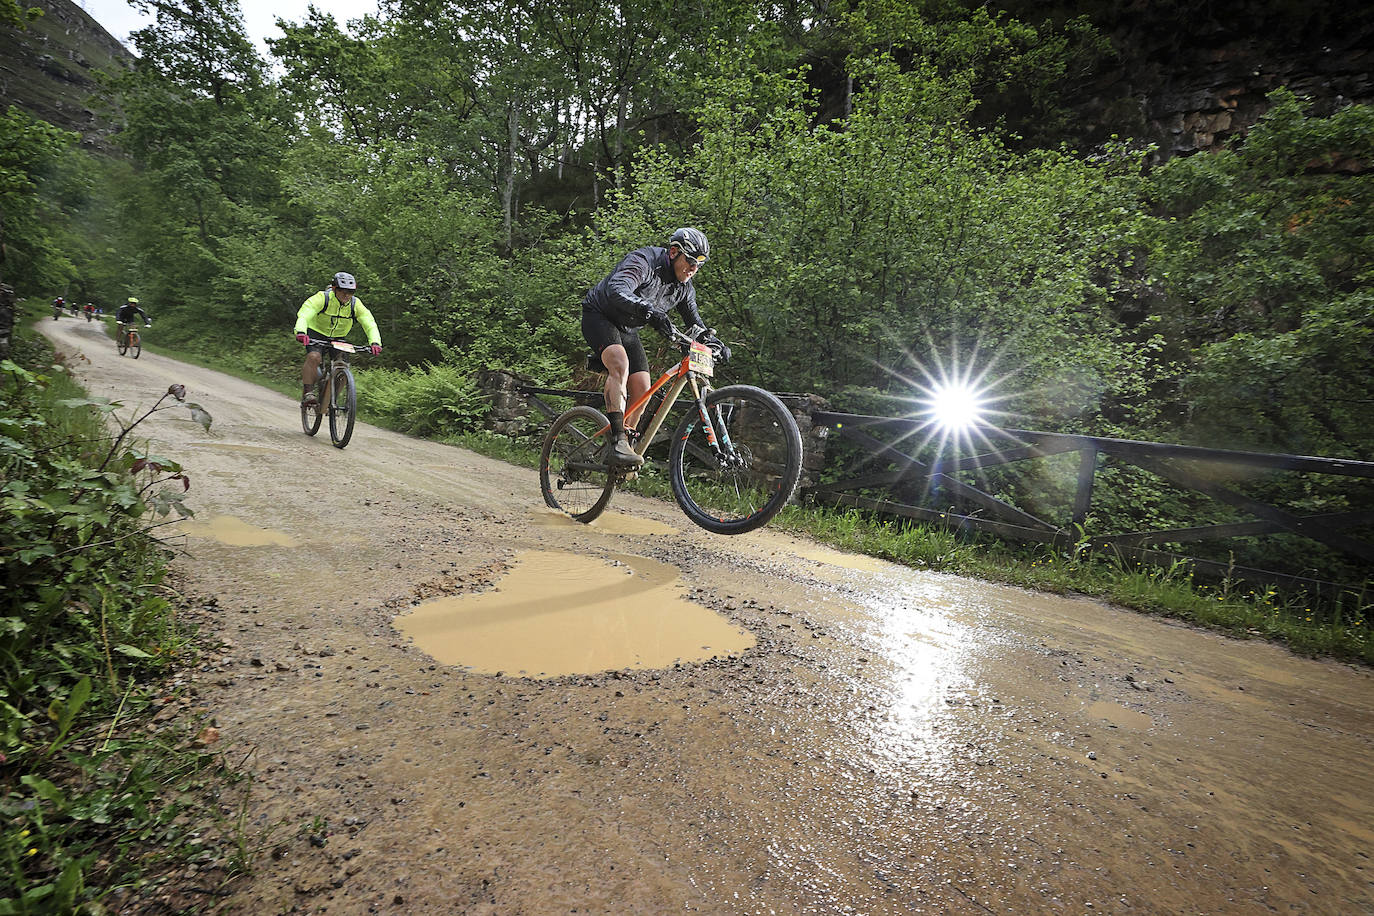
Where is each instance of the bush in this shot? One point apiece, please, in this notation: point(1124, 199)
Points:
point(86, 638)
point(436, 400)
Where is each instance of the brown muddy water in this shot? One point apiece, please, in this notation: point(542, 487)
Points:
point(559, 613)
point(882, 740)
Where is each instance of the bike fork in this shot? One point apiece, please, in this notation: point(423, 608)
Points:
point(717, 435)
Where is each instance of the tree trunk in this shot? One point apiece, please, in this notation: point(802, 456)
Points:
point(508, 167)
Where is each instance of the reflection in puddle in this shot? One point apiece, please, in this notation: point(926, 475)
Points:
point(559, 613)
point(859, 561)
point(777, 542)
point(1118, 715)
point(235, 532)
point(610, 522)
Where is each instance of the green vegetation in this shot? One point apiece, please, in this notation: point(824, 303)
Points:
point(91, 793)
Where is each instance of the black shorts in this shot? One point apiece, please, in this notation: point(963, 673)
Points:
point(601, 332)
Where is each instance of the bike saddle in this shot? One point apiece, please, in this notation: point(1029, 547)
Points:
point(594, 363)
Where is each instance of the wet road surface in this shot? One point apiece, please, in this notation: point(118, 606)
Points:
point(684, 722)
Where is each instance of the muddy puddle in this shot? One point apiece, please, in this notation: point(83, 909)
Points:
point(558, 613)
point(610, 522)
point(235, 532)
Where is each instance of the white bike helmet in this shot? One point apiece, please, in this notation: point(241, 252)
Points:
point(344, 281)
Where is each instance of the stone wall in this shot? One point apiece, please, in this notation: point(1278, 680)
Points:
point(814, 438)
point(1191, 75)
point(510, 409)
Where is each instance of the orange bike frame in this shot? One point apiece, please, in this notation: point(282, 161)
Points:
point(679, 376)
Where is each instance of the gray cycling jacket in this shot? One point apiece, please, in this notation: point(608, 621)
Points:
point(644, 278)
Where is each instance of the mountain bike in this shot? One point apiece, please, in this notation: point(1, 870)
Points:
point(128, 340)
point(334, 387)
point(732, 463)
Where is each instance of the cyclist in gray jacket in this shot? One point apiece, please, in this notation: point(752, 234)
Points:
point(643, 288)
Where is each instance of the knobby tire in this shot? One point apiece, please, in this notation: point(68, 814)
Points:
point(759, 472)
point(343, 407)
point(135, 344)
point(572, 474)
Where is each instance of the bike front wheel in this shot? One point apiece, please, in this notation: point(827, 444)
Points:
point(749, 474)
point(573, 473)
point(343, 407)
point(135, 344)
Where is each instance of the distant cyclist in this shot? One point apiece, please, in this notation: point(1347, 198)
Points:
point(126, 314)
point(58, 305)
point(328, 316)
point(643, 288)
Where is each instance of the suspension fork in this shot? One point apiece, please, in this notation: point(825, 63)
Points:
point(717, 436)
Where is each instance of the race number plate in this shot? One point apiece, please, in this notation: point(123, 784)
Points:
point(701, 359)
point(344, 347)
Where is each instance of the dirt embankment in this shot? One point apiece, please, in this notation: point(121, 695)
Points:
point(637, 716)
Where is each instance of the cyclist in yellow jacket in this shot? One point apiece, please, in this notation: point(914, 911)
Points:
point(328, 316)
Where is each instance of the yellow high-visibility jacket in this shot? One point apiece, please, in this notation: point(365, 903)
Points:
point(324, 314)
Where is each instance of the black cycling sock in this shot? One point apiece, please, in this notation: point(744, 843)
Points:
point(617, 418)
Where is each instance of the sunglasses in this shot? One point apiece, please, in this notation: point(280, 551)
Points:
point(697, 259)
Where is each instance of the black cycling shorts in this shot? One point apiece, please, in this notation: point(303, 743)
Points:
point(601, 332)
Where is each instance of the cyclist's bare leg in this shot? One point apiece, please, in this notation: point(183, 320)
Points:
point(636, 385)
point(622, 386)
point(310, 372)
point(617, 363)
point(618, 379)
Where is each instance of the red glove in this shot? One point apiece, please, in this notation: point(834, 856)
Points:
point(376, 349)
point(304, 339)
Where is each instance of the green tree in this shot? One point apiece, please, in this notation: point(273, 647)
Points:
point(853, 253)
point(30, 150)
point(205, 130)
point(1265, 258)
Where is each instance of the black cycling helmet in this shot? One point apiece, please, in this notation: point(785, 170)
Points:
point(691, 242)
point(344, 281)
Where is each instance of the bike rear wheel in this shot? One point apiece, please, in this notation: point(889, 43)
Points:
point(312, 415)
point(122, 343)
point(343, 407)
point(573, 474)
point(135, 344)
point(752, 476)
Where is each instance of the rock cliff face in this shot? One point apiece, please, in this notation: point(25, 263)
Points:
point(49, 68)
point(1189, 75)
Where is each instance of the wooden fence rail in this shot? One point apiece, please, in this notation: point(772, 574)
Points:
point(1184, 466)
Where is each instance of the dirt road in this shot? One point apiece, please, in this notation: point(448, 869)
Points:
point(474, 706)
